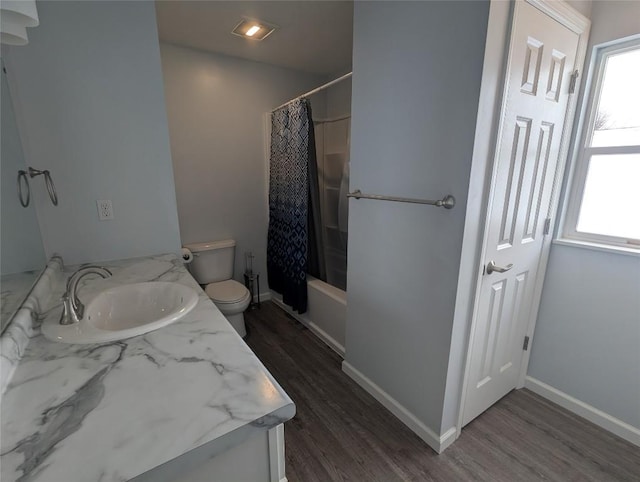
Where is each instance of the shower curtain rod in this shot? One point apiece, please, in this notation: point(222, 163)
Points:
point(318, 89)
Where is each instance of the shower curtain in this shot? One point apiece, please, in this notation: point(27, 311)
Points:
point(294, 237)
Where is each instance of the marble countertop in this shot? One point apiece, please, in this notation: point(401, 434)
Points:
point(113, 411)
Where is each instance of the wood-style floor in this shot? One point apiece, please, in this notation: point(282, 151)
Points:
point(341, 433)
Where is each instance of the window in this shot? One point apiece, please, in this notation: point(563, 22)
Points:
point(604, 205)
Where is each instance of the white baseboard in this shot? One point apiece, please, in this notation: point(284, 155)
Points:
point(437, 442)
point(447, 439)
point(315, 329)
point(323, 335)
point(594, 415)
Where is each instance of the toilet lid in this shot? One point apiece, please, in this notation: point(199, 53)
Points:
point(228, 291)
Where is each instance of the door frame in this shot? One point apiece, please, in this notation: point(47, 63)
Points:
point(576, 22)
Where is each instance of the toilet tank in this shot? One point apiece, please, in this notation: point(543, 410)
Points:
point(212, 261)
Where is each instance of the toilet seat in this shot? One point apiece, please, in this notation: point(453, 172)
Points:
point(231, 298)
point(227, 292)
point(235, 299)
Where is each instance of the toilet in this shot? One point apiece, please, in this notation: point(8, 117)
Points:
point(212, 267)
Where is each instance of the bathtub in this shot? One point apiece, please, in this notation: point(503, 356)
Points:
point(326, 314)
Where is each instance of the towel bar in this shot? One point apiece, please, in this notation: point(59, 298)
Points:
point(447, 202)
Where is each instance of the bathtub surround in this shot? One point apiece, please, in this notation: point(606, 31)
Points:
point(217, 107)
point(89, 104)
point(190, 390)
point(332, 134)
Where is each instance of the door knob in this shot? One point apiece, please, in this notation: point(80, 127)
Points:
point(492, 267)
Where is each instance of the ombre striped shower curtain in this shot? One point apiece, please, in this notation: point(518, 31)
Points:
point(294, 237)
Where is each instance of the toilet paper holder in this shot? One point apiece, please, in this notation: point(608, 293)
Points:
point(188, 255)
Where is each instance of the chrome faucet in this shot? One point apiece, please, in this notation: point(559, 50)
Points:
point(73, 309)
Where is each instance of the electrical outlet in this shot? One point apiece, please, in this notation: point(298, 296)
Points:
point(105, 209)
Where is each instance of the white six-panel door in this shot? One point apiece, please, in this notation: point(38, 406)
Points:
point(542, 56)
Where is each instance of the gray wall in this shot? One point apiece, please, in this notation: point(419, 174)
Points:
point(582, 6)
point(339, 99)
point(89, 101)
point(216, 107)
point(613, 19)
point(20, 242)
point(588, 329)
point(415, 96)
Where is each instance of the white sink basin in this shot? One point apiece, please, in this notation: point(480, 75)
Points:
point(126, 311)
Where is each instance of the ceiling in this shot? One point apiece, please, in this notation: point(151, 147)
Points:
point(313, 36)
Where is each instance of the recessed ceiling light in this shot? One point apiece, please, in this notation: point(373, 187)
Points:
point(253, 29)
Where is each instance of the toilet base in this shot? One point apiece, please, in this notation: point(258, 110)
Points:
point(237, 321)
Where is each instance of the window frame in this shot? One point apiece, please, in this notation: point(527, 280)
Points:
point(582, 153)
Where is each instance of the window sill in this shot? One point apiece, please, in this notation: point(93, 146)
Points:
point(607, 248)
